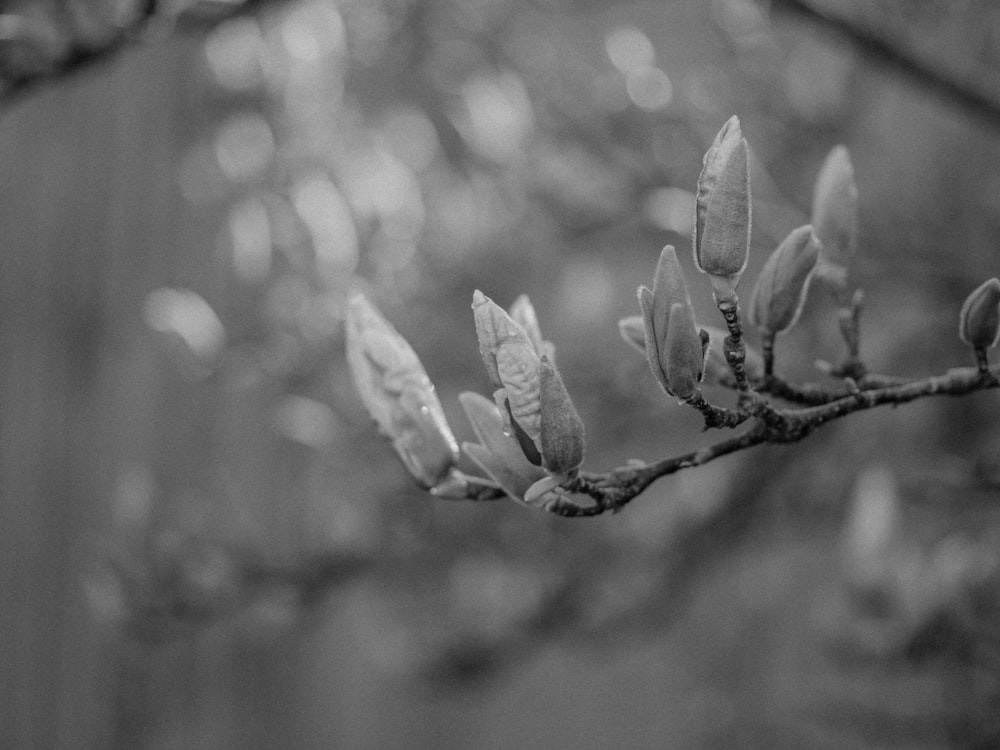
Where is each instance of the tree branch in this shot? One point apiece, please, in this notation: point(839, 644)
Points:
point(149, 22)
point(978, 96)
point(612, 490)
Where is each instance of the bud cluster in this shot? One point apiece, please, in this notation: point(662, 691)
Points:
point(529, 436)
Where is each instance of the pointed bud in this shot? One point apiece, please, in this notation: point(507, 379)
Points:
point(835, 208)
point(780, 291)
point(669, 293)
point(685, 354)
point(722, 211)
point(562, 428)
point(493, 328)
point(979, 320)
point(531, 397)
point(397, 393)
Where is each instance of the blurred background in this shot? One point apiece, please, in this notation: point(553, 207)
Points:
point(205, 544)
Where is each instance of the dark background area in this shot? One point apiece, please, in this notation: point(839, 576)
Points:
point(204, 542)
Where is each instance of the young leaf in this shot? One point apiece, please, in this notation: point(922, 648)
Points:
point(497, 453)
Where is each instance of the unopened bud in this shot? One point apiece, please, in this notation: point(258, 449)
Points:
point(979, 320)
point(669, 293)
point(562, 428)
point(781, 288)
point(494, 327)
point(722, 211)
point(685, 352)
point(530, 394)
point(397, 393)
point(835, 208)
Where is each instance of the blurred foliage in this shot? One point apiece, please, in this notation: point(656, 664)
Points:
point(423, 149)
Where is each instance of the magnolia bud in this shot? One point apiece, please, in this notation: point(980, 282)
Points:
point(494, 327)
point(722, 211)
point(397, 393)
point(781, 288)
point(669, 294)
point(562, 428)
point(835, 209)
point(979, 320)
point(531, 397)
point(685, 353)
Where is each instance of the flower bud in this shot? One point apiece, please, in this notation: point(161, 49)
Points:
point(781, 288)
point(494, 327)
point(397, 393)
point(685, 352)
point(669, 294)
point(722, 211)
point(562, 428)
point(835, 210)
point(979, 320)
point(531, 396)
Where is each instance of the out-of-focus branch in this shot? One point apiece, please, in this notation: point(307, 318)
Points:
point(73, 57)
point(978, 96)
point(162, 603)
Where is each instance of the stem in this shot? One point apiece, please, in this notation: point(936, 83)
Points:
point(957, 382)
point(983, 361)
point(849, 319)
point(734, 347)
point(716, 416)
point(767, 352)
point(613, 490)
